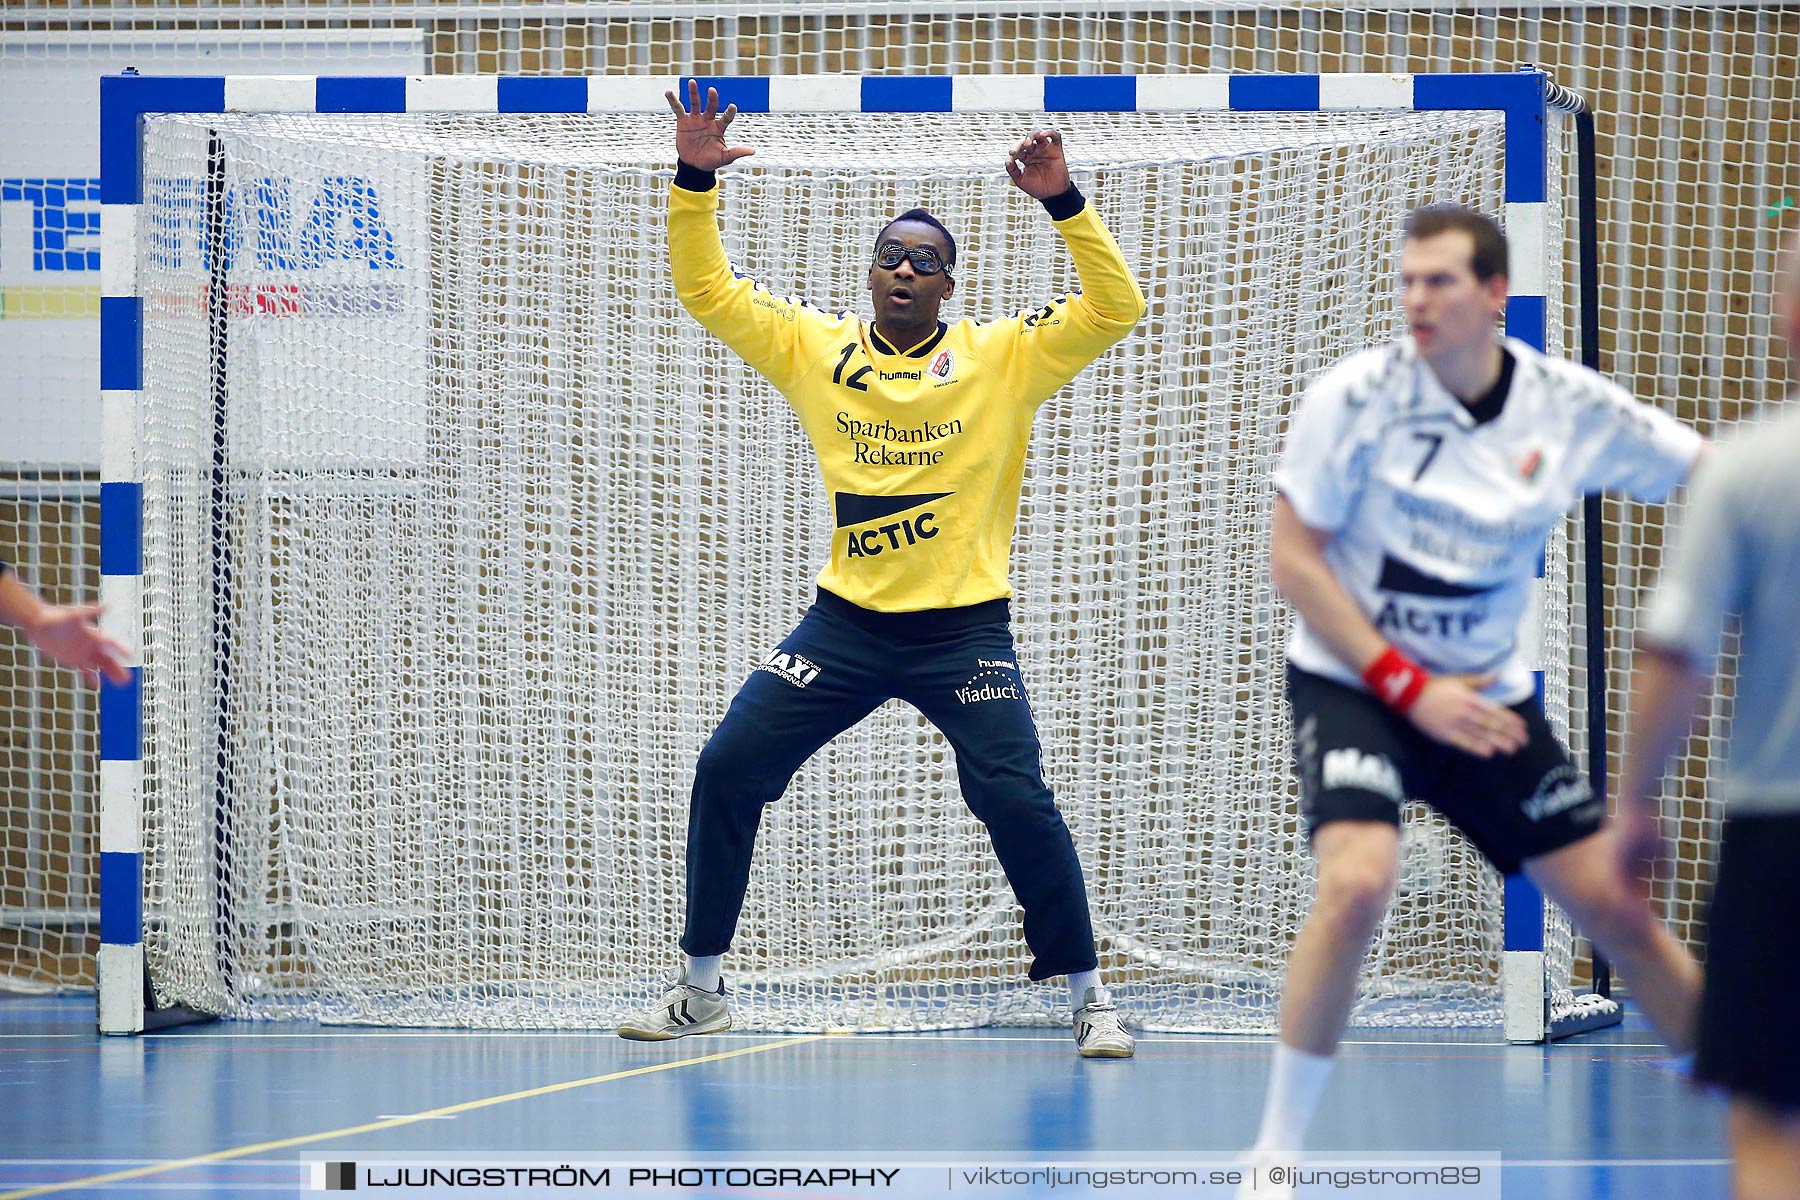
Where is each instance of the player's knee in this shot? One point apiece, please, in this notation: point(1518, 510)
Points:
point(1011, 801)
point(1353, 895)
point(727, 763)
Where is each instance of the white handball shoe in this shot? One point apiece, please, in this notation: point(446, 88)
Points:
point(683, 1012)
point(1098, 1031)
point(1270, 1174)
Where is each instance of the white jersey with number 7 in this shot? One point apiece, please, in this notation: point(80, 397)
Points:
point(1439, 513)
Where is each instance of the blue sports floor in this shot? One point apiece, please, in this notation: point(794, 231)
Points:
point(1600, 1115)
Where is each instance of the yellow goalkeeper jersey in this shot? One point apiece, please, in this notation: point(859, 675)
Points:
point(922, 448)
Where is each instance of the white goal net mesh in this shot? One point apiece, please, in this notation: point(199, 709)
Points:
point(482, 532)
point(1697, 121)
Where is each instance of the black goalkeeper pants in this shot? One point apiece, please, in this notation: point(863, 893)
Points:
point(957, 666)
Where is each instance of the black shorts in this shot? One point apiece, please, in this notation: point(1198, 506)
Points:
point(1748, 1044)
point(1358, 760)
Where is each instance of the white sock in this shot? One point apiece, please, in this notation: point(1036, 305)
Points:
point(1295, 1085)
point(1080, 982)
point(703, 973)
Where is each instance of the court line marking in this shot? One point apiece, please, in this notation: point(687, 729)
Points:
point(922, 1035)
point(395, 1122)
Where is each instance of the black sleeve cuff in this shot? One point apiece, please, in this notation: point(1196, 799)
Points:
point(693, 179)
point(1060, 208)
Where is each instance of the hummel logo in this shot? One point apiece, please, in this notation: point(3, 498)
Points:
point(1397, 685)
point(682, 1017)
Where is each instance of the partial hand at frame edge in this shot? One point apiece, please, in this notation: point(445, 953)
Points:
point(69, 635)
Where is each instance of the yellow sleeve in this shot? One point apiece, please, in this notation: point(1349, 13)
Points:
point(780, 337)
point(1038, 352)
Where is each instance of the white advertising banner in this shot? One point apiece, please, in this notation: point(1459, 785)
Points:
point(50, 201)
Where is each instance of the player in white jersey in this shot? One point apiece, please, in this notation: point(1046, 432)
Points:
point(1738, 551)
point(1418, 486)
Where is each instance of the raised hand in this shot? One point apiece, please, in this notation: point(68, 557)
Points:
point(1452, 710)
point(1037, 165)
point(700, 133)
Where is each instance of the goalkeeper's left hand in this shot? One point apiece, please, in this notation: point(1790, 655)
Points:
point(1037, 165)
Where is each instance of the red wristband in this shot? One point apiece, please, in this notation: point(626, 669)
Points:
point(1396, 679)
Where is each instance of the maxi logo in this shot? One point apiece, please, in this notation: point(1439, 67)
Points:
point(855, 510)
point(796, 669)
point(1353, 768)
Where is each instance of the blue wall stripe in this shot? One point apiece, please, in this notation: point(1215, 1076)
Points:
point(1090, 93)
point(125, 98)
point(1527, 318)
point(749, 92)
point(1275, 93)
point(121, 720)
point(121, 343)
point(1521, 98)
point(899, 93)
point(121, 529)
point(361, 94)
point(543, 95)
point(121, 898)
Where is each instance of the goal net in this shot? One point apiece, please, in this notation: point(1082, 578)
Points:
point(459, 535)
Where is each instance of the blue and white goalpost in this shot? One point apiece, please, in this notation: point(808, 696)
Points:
point(445, 537)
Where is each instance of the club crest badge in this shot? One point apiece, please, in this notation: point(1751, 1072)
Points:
point(942, 366)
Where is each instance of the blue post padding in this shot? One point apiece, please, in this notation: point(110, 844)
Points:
point(1522, 905)
point(121, 529)
point(1524, 914)
point(542, 95)
point(121, 343)
point(360, 94)
point(121, 899)
point(121, 719)
point(125, 98)
point(1527, 318)
point(1275, 93)
point(1521, 98)
point(749, 92)
point(898, 93)
point(1090, 93)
